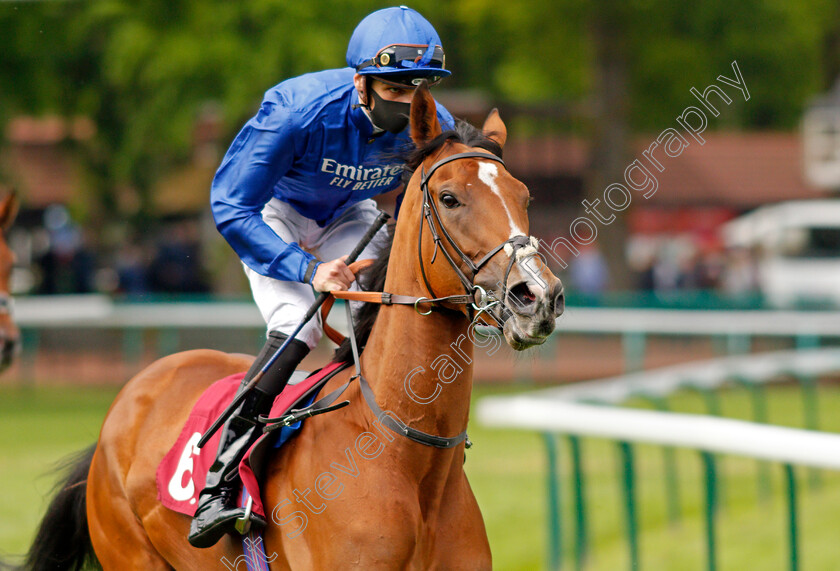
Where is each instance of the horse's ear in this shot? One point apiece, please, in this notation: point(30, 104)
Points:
point(494, 128)
point(8, 210)
point(424, 122)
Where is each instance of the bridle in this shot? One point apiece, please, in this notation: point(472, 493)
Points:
point(486, 302)
point(432, 216)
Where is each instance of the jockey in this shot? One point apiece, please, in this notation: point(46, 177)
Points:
point(293, 197)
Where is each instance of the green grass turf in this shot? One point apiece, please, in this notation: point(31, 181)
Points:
point(507, 471)
point(38, 427)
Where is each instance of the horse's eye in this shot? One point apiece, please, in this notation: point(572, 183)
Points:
point(448, 200)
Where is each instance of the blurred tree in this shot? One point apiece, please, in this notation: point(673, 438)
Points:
point(609, 140)
point(143, 71)
point(831, 45)
point(545, 50)
point(628, 66)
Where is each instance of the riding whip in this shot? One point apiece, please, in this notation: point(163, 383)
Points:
point(313, 309)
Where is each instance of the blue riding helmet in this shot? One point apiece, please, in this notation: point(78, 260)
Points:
point(398, 44)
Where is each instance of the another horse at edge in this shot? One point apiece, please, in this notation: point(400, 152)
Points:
point(9, 332)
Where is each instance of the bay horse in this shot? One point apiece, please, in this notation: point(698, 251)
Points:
point(9, 332)
point(380, 501)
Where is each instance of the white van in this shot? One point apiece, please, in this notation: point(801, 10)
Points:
point(797, 249)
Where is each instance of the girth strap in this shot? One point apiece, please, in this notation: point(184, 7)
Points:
point(322, 405)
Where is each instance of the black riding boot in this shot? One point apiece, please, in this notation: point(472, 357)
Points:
point(217, 507)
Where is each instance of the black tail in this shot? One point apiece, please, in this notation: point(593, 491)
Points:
point(63, 540)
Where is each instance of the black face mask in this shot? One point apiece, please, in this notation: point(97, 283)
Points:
point(389, 115)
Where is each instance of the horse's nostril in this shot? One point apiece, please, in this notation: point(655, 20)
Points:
point(559, 301)
point(521, 298)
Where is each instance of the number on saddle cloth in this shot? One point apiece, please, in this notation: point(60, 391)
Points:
point(181, 474)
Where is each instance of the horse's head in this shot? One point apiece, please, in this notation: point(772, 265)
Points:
point(9, 332)
point(474, 227)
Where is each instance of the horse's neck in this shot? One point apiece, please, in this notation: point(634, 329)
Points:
point(420, 367)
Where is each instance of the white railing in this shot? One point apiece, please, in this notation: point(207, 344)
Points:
point(102, 311)
point(698, 432)
point(560, 411)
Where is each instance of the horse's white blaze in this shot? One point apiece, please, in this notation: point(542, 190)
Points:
point(487, 173)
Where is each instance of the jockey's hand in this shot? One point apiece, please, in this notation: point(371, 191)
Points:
point(333, 276)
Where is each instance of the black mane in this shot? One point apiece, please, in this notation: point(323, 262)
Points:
point(373, 279)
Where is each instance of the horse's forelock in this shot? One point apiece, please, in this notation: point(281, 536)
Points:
point(463, 133)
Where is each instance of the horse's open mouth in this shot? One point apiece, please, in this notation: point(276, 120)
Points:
point(518, 339)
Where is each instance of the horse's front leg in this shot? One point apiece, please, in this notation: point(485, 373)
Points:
point(461, 539)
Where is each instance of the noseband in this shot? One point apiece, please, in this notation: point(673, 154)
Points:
point(431, 214)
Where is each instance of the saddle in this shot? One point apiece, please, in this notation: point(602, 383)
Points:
point(181, 474)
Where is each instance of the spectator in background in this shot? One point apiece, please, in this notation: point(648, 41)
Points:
point(131, 270)
point(67, 264)
point(176, 267)
point(740, 276)
point(589, 272)
point(705, 269)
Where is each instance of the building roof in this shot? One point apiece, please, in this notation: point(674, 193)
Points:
point(736, 170)
point(546, 157)
point(26, 130)
point(740, 170)
point(35, 161)
point(43, 174)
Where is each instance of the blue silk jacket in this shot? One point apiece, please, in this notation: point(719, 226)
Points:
point(307, 146)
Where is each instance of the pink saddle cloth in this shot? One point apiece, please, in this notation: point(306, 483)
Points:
point(182, 473)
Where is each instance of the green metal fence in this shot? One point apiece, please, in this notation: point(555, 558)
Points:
point(553, 413)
